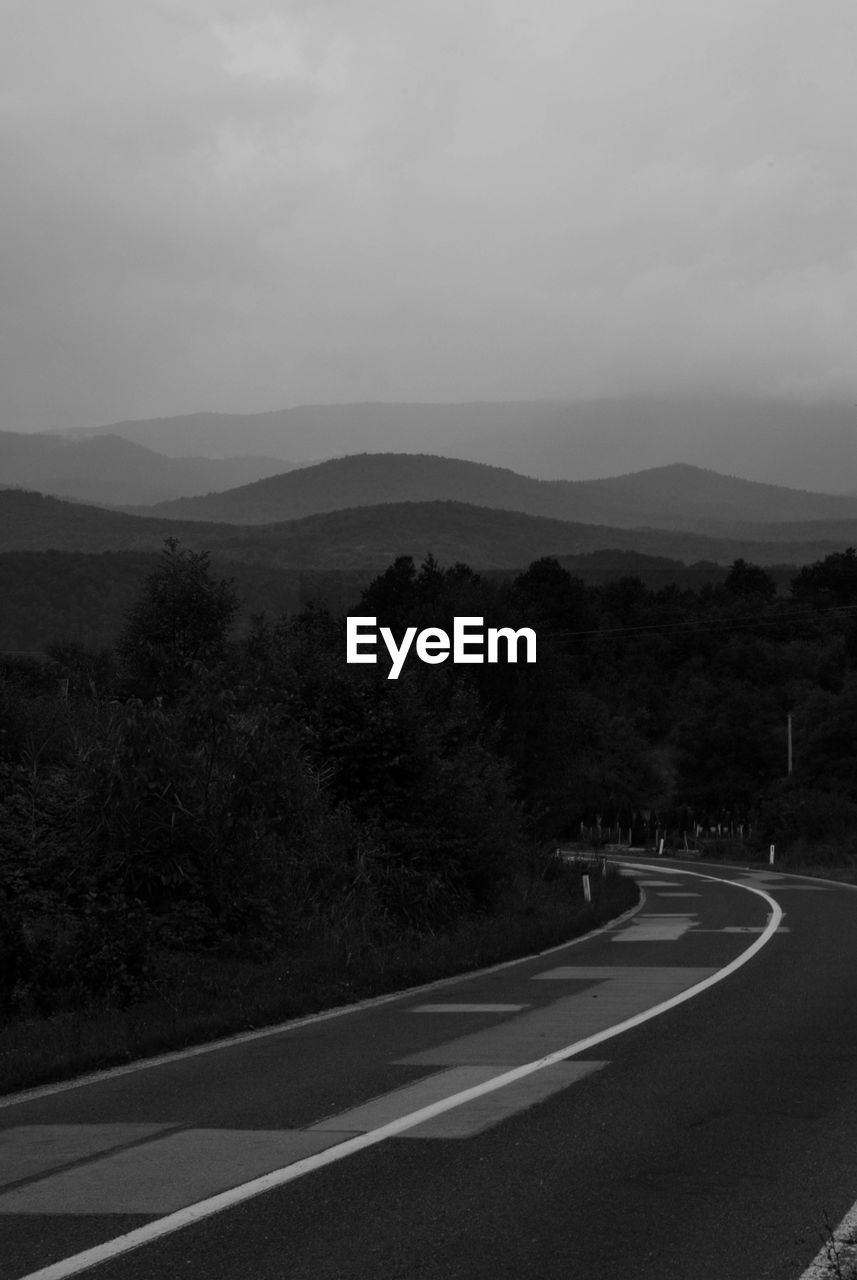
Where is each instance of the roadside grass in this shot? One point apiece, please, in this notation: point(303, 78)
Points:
point(824, 861)
point(828, 861)
point(200, 997)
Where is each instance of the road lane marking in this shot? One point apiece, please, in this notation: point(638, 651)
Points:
point(466, 1008)
point(679, 895)
point(295, 1024)
point(620, 993)
point(484, 1113)
point(411, 1097)
point(654, 928)
point(157, 1173)
point(194, 1213)
point(608, 994)
point(167, 1173)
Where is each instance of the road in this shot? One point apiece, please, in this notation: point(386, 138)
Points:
point(714, 1140)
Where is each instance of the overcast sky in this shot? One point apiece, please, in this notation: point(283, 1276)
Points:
point(230, 204)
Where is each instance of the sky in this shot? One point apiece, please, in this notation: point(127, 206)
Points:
point(236, 205)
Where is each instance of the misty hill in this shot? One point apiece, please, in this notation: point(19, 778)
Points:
point(110, 469)
point(673, 497)
point(781, 442)
point(371, 537)
point(38, 522)
point(805, 446)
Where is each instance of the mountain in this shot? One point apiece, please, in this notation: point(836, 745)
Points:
point(672, 497)
point(38, 522)
point(803, 446)
point(784, 442)
point(373, 536)
point(110, 469)
point(309, 433)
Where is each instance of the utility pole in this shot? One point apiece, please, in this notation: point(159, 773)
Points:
point(790, 743)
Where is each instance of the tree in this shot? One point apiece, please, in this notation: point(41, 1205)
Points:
point(180, 619)
point(548, 596)
point(831, 581)
point(749, 582)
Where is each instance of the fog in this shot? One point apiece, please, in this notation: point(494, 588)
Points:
point(232, 205)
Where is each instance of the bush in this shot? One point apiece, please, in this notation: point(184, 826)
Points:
point(803, 816)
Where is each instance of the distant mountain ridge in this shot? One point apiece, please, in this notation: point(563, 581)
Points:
point(673, 497)
point(373, 536)
point(110, 469)
point(778, 441)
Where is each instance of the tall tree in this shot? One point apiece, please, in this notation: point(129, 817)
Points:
point(180, 619)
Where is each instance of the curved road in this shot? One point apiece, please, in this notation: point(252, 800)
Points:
point(716, 1139)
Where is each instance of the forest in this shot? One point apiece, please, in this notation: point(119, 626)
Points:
point(202, 790)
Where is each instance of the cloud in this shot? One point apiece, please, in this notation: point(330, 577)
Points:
point(237, 204)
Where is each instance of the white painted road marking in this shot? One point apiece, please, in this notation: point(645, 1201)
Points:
point(411, 1097)
point(620, 993)
point(295, 1024)
point(76, 1169)
point(167, 1173)
point(653, 928)
point(161, 1227)
point(483, 1113)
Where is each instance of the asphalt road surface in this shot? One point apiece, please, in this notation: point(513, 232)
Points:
point(494, 1126)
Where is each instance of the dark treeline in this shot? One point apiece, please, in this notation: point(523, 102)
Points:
point(53, 597)
point(665, 709)
point(193, 789)
point(61, 596)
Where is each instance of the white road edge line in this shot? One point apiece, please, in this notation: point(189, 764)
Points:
point(293, 1024)
point(827, 1263)
point(193, 1213)
point(747, 870)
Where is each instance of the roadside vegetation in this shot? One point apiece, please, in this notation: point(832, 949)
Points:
point(204, 830)
point(200, 835)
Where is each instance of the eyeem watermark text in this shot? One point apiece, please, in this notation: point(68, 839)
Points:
point(470, 643)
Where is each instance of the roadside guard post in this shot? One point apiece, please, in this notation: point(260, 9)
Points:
point(587, 891)
point(772, 855)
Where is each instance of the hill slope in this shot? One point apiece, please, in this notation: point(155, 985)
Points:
point(371, 537)
point(110, 469)
point(672, 497)
point(784, 442)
